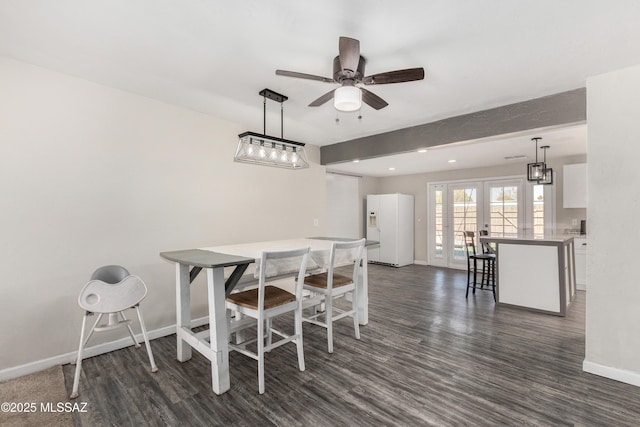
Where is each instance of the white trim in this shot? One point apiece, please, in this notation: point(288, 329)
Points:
point(420, 262)
point(464, 181)
point(63, 359)
point(621, 375)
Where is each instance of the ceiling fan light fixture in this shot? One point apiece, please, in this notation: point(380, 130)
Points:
point(347, 98)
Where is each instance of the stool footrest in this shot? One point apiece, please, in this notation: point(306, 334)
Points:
point(110, 327)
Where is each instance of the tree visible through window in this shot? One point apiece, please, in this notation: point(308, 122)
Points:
point(465, 218)
point(503, 208)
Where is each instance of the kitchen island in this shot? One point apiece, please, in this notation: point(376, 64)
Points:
point(536, 274)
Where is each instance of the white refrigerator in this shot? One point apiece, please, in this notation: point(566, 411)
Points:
point(390, 222)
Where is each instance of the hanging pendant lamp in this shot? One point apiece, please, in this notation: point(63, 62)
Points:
point(547, 173)
point(261, 149)
point(535, 170)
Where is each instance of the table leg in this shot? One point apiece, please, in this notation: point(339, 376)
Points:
point(363, 291)
point(218, 334)
point(183, 310)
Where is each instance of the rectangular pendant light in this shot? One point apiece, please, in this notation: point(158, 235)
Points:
point(262, 149)
point(270, 151)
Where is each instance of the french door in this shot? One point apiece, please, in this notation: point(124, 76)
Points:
point(498, 206)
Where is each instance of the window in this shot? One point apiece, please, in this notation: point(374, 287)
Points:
point(439, 224)
point(538, 211)
point(503, 211)
point(465, 218)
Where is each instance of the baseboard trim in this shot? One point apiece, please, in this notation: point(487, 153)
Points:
point(621, 375)
point(419, 262)
point(63, 359)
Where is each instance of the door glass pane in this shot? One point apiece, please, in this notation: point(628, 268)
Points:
point(503, 211)
point(538, 211)
point(465, 218)
point(439, 224)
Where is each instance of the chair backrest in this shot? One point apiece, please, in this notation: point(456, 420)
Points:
point(110, 274)
point(486, 246)
point(111, 289)
point(343, 253)
point(469, 242)
point(299, 256)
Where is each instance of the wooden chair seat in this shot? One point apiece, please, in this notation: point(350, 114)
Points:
point(273, 297)
point(320, 280)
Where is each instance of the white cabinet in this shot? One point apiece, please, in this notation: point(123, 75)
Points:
point(574, 188)
point(580, 247)
point(390, 222)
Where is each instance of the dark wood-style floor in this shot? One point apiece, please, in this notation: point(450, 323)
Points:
point(427, 357)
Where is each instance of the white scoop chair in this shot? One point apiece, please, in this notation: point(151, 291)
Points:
point(110, 291)
point(325, 287)
point(267, 302)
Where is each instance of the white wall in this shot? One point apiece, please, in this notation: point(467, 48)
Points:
point(90, 175)
point(613, 299)
point(343, 207)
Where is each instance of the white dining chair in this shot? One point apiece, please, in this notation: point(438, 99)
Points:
point(111, 291)
point(266, 302)
point(328, 286)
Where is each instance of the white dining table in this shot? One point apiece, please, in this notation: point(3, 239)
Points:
point(235, 260)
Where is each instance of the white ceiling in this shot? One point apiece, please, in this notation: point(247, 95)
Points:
point(215, 56)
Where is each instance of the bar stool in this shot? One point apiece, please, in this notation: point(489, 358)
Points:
point(487, 272)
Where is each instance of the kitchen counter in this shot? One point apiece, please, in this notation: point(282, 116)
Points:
point(536, 274)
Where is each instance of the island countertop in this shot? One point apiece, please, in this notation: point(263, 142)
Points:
point(557, 238)
point(535, 273)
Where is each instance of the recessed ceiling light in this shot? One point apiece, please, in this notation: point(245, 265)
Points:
point(392, 168)
point(516, 157)
point(422, 150)
point(356, 161)
point(452, 161)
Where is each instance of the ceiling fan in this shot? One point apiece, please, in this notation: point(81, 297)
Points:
point(348, 71)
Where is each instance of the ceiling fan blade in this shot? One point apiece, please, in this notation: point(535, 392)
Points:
point(373, 100)
point(303, 76)
point(324, 98)
point(349, 54)
point(398, 76)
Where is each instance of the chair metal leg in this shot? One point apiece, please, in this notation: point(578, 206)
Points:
point(98, 319)
point(483, 275)
point(76, 378)
point(468, 278)
point(154, 368)
point(475, 274)
point(493, 279)
point(133, 337)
